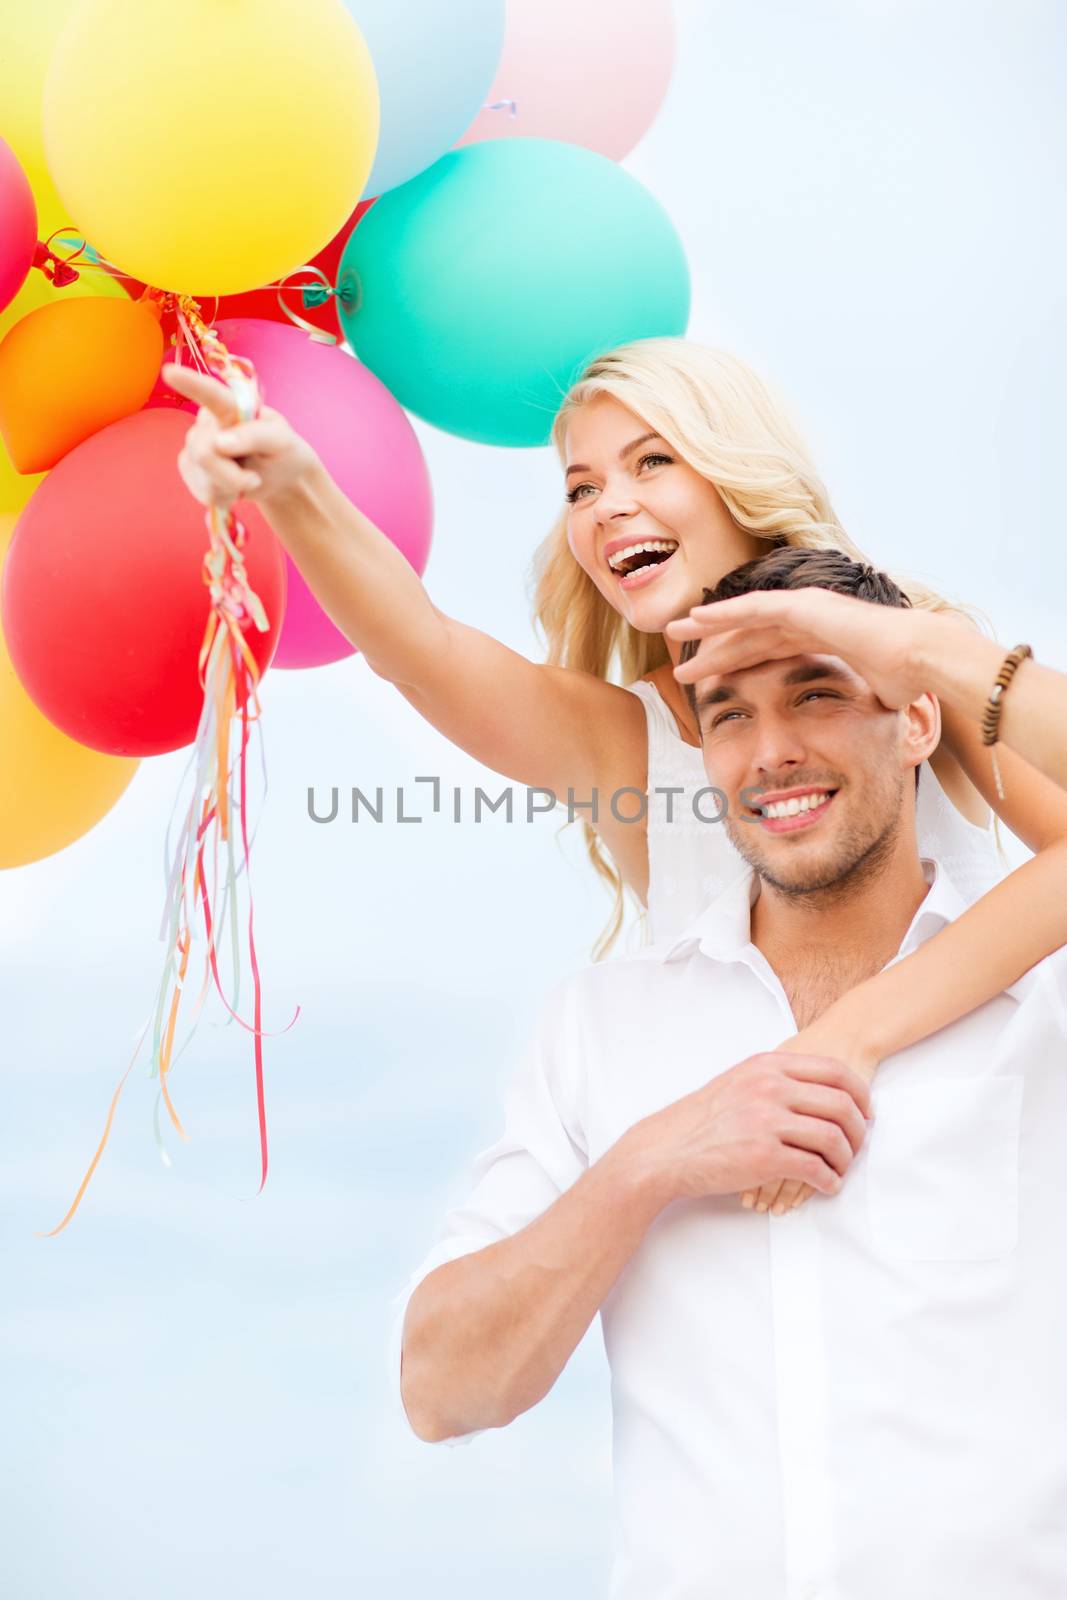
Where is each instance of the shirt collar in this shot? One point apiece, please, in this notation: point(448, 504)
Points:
point(723, 931)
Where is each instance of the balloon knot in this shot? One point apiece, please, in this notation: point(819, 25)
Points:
point(54, 268)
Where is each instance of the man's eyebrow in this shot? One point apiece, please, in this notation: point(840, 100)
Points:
point(806, 672)
point(577, 466)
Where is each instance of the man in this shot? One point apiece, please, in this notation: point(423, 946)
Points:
point(860, 1400)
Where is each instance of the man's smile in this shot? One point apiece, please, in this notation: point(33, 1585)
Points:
point(787, 812)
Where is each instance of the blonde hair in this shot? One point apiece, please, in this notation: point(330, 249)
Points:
point(727, 423)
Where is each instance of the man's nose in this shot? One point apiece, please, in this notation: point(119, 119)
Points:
point(779, 746)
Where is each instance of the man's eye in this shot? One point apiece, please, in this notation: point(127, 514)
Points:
point(824, 694)
point(727, 714)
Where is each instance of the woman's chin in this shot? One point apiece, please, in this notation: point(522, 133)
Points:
point(650, 612)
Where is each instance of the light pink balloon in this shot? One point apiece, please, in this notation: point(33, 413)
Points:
point(18, 226)
point(593, 73)
point(364, 440)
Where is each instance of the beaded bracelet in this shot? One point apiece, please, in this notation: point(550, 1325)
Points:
point(991, 714)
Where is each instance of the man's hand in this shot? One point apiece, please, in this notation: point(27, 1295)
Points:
point(824, 1037)
point(775, 1115)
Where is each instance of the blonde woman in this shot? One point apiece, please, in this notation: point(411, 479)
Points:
point(679, 464)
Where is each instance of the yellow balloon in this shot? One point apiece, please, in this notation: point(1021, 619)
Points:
point(28, 42)
point(216, 153)
point(54, 789)
point(15, 489)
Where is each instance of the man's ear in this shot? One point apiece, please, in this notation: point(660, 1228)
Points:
point(921, 729)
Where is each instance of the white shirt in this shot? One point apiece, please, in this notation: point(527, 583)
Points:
point(691, 860)
point(864, 1399)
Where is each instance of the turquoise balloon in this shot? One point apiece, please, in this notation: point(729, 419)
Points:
point(479, 291)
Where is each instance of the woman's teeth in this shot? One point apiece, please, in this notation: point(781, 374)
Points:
point(620, 560)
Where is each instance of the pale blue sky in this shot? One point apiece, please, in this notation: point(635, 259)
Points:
point(194, 1383)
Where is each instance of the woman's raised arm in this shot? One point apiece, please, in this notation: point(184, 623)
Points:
point(536, 724)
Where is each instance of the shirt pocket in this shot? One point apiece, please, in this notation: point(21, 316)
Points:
point(943, 1169)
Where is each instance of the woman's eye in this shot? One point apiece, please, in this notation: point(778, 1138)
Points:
point(576, 494)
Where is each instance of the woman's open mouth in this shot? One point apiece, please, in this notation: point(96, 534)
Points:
point(641, 562)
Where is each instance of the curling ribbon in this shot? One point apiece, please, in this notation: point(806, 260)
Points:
point(229, 678)
point(312, 294)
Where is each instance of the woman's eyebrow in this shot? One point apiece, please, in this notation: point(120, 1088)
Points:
point(578, 466)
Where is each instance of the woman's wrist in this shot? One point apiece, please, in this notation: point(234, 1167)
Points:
point(849, 1031)
point(303, 492)
point(956, 662)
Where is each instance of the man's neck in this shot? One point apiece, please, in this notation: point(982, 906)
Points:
point(823, 943)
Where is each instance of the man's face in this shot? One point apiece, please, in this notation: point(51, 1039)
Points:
point(813, 766)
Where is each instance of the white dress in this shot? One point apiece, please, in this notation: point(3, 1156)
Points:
point(690, 861)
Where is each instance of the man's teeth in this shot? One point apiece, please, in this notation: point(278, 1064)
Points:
point(792, 808)
point(619, 558)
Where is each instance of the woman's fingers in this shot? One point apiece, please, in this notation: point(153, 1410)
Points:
point(768, 1195)
point(783, 1200)
point(733, 652)
point(787, 1196)
point(266, 436)
point(205, 390)
point(220, 486)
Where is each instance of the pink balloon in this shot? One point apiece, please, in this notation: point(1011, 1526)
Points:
point(593, 74)
point(364, 440)
point(18, 226)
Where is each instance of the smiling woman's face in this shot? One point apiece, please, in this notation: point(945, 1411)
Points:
point(626, 489)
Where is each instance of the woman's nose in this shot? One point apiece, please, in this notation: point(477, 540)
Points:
point(613, 503)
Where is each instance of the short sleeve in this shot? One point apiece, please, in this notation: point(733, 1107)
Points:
point(540, 1154)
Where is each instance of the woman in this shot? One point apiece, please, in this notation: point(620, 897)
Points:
point(679, 465)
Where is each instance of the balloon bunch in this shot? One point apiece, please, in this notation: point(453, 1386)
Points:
point(445, 201)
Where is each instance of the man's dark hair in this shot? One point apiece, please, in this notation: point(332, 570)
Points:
point(789, 567)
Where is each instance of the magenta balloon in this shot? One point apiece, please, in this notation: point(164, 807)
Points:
point(18, 226)
point(364, 440)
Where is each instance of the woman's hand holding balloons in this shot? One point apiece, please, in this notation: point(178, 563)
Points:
point(226, 460)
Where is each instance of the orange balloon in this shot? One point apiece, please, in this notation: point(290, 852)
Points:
point(69, 369)
point(54, 789)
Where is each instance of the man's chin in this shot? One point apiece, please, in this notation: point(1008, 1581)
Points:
point(796, 863)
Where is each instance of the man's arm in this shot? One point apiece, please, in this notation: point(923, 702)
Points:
point(486, 1337)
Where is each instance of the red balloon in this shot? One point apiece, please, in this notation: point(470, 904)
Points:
point(103, 602)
